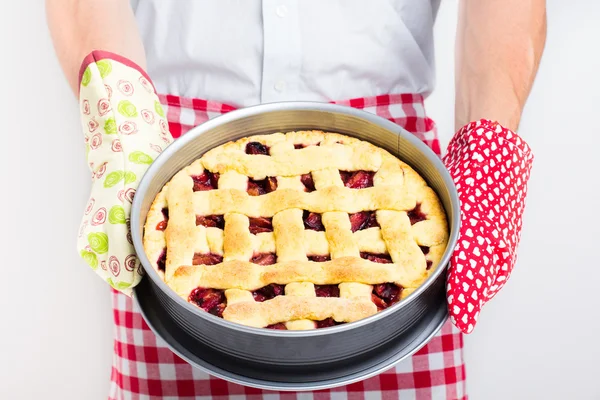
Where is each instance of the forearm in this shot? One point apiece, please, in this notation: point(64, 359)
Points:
point(79, 26)
point(498, 49)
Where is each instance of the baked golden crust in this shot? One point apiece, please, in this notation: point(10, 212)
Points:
point(246, 275)
point(396, 192)
point(295, 308)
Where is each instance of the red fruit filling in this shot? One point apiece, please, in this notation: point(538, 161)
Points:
point(307, 181)
point(416, 215)
point(263, 186)
point(319, 258)
point(385, 294)
point(301, 146)
point(162, 260)
point(425, 251)
point(326, 323)
point(162, 225)
point(313, 221)
point(268, 292)
point(218, 310)
point(207, 259)
point(327, 290)
point(211, 221)
point(260, 224)
point(378, 258)
point(280, 326)
point(206, 181)
point(320, 324)
point(264, 258)
point(357, 179)
point(210, 300)
point(363, 220)
point(257, 148)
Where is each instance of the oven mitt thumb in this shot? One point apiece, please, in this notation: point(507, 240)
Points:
point(125, 129)
point(490, 166)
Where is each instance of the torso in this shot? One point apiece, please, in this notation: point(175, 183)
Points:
point(253, 51)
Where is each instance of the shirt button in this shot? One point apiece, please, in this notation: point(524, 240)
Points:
point(281, 11)
point(280, 86)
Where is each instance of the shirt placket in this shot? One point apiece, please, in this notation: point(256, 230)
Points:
point(281, 51)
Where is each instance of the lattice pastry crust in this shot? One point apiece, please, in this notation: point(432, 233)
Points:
point(295, 231)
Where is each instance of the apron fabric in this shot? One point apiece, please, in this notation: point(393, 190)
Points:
point(145, 368)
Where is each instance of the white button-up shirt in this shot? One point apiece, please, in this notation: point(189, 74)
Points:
point(246, 52)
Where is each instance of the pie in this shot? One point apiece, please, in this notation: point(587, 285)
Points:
point(296, 230)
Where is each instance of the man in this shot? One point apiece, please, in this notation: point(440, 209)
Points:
point(245, 53)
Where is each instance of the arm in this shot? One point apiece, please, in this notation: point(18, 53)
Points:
point(499, 44)
point(498, 49)
point(79, 26)
point(122, 120)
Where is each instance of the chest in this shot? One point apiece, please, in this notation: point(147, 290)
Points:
point(278, 50)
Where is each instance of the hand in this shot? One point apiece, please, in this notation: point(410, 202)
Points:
point(125, 129)
point(490, 166)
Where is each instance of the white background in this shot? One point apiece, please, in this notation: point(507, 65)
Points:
point(538, 339)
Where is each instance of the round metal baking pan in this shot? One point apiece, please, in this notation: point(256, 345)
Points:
point(294, 349)
point(274, 377)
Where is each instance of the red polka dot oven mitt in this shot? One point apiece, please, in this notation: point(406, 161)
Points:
point(125, 129)
point(490, 166)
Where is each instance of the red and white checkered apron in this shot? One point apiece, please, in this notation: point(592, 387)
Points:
point(145, 368)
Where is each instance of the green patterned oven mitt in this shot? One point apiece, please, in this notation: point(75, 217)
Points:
point(125, 129)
